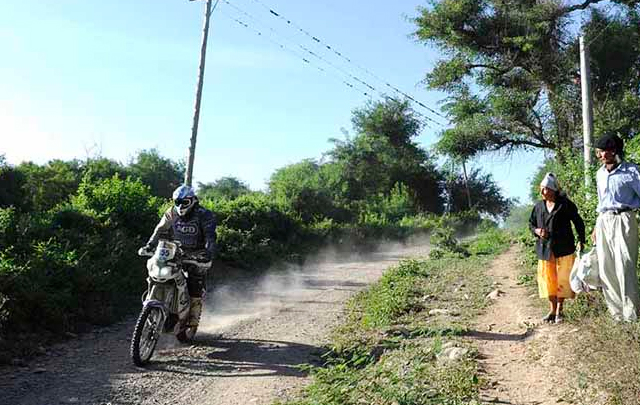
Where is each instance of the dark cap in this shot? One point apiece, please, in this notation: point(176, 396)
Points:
point(610, 142)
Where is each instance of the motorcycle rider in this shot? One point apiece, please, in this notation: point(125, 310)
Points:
point(195, 227)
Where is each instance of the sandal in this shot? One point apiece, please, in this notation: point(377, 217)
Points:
point(550, 317)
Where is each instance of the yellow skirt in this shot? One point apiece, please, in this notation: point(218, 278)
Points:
point(553, 277)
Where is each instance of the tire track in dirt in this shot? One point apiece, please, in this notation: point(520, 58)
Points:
point(255, 332)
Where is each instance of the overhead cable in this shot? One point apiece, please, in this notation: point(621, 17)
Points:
point(294, 53)
point(304, 48)
point(315, 55)
point(317, 40)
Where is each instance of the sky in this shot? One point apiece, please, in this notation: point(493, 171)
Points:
point(86, 78)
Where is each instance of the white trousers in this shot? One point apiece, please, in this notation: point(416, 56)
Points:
point(617, 249)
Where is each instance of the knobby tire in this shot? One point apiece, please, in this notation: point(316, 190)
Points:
point(145, 339)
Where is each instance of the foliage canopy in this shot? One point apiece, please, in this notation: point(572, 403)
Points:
point(511, 67)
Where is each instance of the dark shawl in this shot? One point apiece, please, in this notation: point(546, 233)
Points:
point(558, 223)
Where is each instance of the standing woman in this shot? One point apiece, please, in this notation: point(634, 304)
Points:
point(550, 222)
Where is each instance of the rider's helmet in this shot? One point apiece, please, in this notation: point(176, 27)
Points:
point(184, 198)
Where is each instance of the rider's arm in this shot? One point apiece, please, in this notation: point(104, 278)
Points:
point(163, 228)
point(208, 224)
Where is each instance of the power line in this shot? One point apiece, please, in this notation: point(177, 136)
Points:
point(214, 7)
point(294, 53)
point(317, 56)
point(317, 40)
point(304, 48)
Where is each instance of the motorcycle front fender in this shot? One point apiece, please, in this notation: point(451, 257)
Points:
point(156, 303)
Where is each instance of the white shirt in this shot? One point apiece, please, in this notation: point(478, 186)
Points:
point(619, 188)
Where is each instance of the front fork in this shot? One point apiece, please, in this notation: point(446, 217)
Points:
point(163, 315)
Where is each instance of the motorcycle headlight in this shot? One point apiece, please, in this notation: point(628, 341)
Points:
point(160, 270)
point(165, 271)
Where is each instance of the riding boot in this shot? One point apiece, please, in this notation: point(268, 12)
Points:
point(194, 311)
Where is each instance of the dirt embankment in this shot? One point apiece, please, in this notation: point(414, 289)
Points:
point(254, 334)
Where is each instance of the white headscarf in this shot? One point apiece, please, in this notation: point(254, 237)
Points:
point(549, 181)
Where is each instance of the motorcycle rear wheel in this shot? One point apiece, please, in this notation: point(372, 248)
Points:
point(146, 335)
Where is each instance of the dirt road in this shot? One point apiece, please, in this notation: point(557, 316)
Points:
point(254, 335)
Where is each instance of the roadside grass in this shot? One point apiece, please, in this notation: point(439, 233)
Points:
point(394, 345)
point(602, 357)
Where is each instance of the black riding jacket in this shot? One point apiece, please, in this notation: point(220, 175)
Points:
point(195, 231)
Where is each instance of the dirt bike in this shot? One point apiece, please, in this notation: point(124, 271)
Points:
point(166, 303)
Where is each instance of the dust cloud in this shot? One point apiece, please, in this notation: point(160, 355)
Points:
point(241, 299)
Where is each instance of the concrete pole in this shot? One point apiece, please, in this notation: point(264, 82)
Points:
point(196, 113)
point(587, 111)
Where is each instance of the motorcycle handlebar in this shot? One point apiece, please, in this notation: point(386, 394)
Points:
point(198, 258)
point(145, 252)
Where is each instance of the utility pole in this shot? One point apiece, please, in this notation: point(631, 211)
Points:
point(196, 113)
point(587, 111)
point(466, 182)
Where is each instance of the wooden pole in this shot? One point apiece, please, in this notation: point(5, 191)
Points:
point(196, 113)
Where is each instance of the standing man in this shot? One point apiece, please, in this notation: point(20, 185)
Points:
point(616, 231)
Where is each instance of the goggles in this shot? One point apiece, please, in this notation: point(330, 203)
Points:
point(183, 202)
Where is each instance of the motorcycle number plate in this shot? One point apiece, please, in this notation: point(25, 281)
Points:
point(164, 254)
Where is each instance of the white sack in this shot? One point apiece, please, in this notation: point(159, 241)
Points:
point(584, 275)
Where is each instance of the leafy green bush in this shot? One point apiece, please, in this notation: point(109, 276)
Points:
point(48, 185)
point(7, 227)
point(160, 174)
point(127, 204)
point(311, 191)
point(228, 188)
point(254, 230)
point(389, 208)
point(444, 243)
point(73, 264)
point(490, 242)
point(424, 222)
point(12, 181)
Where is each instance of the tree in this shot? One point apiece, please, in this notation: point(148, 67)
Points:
point(383, 154)
point(101, 168)
point(518, 218)
point(615, 70)
point(162, 175)
point(520, 58)
point(312, 190)
point(11, 185)
point(485, 193)
point(121, 204)
point(225, 187)
point(46, 186)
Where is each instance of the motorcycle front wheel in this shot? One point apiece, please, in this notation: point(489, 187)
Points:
point(146, 335)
